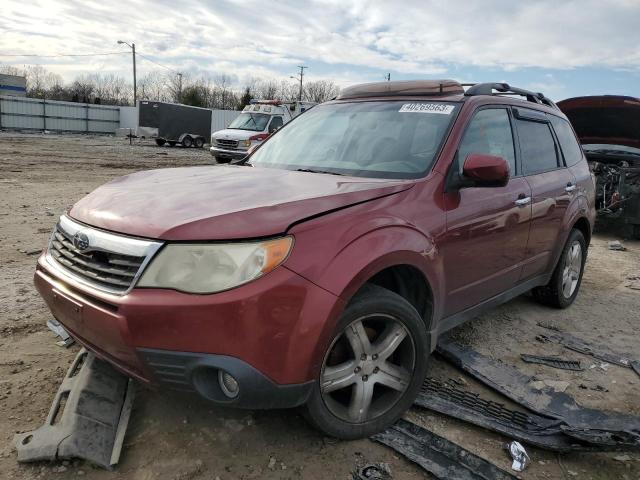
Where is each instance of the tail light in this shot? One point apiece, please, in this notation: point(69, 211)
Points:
point(260, 137)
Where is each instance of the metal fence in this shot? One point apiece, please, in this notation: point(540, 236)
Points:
point(35, 114)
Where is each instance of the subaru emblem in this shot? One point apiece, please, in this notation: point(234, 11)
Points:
point(81, 241)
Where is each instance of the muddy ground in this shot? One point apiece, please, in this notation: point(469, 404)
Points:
point(173, 436)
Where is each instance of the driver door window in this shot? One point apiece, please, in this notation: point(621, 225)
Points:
point(489, 133)
point(276, 123)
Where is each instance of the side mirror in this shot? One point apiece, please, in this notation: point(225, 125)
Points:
point(486, 170)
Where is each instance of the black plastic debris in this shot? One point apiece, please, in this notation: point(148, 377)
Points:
point(554, 362)
point(437, 455)
point(373, 471)
point(603, 429)
point(578, 345)
point(88, 418)
point(533, 429)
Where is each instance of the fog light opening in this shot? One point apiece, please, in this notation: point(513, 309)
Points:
point(228, 384)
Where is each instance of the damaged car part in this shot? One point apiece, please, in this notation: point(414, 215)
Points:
point(88, 417)
point(66, 340)
point(606, 429)
point(533, 429)
point(437, 455)
point(554, 362)
point(578, 345)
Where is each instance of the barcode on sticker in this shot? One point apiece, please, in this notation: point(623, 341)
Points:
point(426, 108)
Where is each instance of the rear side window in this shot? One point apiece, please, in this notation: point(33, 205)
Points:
point(489, 133)
point(568, 143)
point(537, 147)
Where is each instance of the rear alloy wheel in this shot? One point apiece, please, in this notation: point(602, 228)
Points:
point(564, 285)
point(187, 141)
point(372, 369)
point(199, 142)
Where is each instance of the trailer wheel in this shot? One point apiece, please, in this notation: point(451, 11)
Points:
point(187, 141)
point(172, 144)
point(160, 141)
point(199, 142)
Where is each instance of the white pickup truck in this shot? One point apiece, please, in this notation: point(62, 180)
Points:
point(256, 122)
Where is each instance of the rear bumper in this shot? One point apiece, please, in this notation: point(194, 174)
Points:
point(269, 334)
point(224, 153)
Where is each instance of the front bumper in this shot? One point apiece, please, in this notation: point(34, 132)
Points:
point(224, 153)
point(269, 334)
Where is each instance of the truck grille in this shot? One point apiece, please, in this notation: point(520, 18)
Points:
point(104, 268)
point(221, 142)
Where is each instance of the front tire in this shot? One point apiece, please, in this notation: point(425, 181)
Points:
point(562, 289)
point(187, 141)
point(373, 368)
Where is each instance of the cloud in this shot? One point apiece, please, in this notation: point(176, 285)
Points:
point(345, 40)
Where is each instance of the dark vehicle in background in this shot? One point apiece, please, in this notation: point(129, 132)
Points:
point(322, 269)
point(608, 127)
point(174, 123)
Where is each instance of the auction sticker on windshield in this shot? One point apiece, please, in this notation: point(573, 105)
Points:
point(426, 108)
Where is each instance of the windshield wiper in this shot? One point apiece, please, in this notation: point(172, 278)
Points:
point(311, 170)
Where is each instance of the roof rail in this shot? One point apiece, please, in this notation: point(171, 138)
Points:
point(506, 89)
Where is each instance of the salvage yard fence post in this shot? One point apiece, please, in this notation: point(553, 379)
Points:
point(22, 113)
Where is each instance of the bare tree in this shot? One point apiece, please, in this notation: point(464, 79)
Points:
point(40, 81)
point(320, 91)
point(154, 86)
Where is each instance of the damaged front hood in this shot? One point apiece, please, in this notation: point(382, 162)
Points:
point(607, 119)
point(221, 202)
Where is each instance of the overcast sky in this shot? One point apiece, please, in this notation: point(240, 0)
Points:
point(563, 48)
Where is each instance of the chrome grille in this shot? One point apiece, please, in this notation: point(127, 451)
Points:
point(110, 262)
point(226, 143)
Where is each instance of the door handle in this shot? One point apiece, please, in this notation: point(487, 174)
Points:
point(570, 187)
point(522, 201)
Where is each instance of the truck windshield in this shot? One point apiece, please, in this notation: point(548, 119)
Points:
point(250, 121)
point(387, 139)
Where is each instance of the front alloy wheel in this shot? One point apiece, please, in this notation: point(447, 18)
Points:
point(572, 269)
point(368, 368)
point(373, 368)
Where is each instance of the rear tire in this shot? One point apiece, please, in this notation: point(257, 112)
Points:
point(373, 368)
point(187, 141)
point(563, 288)
point(160, 141)
point(199, 142)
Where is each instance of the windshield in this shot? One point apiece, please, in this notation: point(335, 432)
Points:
point(387, 139)
point(250, 121)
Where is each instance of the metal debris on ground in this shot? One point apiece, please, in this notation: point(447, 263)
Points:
point(65, 339)
point(373, 471)
point(88, 418)
point(554, 362)
point(609, 430)
point(437, 455)
point(449, 399)
point(519, 455)
point(617, 245)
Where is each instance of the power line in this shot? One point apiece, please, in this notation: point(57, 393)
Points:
point(156, 63)
point(62, 55)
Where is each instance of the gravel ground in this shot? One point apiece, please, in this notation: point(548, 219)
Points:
point(174, 436)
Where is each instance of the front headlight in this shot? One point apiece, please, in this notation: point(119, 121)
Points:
point(209, 268)
point(245, 143)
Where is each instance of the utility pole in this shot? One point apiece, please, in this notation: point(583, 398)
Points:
point(135, 89)
point(300, 75)
point(179, 87)
point(133, 52)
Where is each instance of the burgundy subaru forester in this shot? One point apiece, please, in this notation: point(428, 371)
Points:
point(321, 269)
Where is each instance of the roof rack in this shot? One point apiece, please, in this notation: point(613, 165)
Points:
point(506, 89)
